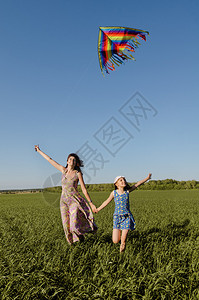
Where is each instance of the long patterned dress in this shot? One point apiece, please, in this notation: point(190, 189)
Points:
point(76, 214)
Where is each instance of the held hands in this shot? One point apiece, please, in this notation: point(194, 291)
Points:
point(97, 210)
point(93, 207)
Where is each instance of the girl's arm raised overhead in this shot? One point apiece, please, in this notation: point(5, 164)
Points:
point(133, 187)
point(50, 160)
point(106, 202)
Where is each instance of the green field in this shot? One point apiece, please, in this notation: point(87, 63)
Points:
point(160, 261)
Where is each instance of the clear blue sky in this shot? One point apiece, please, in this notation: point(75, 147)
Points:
point(53, 93)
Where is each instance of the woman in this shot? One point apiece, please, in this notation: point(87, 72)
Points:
point(77, 217)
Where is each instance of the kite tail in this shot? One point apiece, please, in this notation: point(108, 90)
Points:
point(109, 66)
point(114, 60)
point(118, 59)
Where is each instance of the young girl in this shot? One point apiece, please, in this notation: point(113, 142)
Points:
point(77, 217)
point(123, 220)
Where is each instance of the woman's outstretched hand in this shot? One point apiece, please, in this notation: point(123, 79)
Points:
point(149, 176)
point(37, 148)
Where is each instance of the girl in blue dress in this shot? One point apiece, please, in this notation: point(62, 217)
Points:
point(123, 220)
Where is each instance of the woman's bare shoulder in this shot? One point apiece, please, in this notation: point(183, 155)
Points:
point(64, 170)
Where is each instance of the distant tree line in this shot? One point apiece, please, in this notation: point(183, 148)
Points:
point(28, 191)
point(167, 184)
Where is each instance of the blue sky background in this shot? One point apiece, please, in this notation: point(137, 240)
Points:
point(53, 93)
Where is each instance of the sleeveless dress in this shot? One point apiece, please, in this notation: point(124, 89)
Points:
point(122, 217)
point(76, 214)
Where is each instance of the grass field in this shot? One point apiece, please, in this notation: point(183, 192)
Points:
point(160, 261)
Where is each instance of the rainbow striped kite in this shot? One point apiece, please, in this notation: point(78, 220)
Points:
point(115, 45)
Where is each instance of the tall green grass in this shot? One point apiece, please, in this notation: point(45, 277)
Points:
point(160, 261)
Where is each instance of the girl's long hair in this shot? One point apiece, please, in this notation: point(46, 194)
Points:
point(126, 188)
point(79, 162)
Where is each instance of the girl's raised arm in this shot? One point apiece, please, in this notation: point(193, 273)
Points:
point(106, 202)
point(133, 187)
point(50, 160)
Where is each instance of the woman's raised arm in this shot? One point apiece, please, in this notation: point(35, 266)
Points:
point(50, 160)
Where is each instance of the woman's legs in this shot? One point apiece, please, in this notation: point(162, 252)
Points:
point(66, 222)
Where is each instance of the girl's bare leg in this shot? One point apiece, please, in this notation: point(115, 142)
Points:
point(116, 236)
point(123, 239)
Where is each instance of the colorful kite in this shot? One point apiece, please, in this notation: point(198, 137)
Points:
point(115, 45)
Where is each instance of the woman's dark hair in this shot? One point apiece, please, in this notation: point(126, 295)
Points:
point(79, 162)
point(126, 188)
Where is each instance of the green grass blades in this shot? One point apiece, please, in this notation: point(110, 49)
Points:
point(160, 260)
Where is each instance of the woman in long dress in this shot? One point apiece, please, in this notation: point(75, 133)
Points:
point(76, 214)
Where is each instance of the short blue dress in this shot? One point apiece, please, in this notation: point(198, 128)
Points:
point(122, 217)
